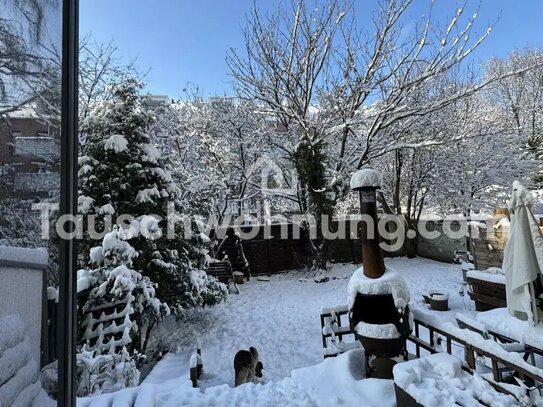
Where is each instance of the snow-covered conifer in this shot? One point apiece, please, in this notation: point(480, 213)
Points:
point(122, 173)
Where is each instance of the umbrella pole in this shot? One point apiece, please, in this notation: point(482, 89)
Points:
point(533, 303)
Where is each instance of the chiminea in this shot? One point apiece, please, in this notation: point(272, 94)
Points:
point(378, 295)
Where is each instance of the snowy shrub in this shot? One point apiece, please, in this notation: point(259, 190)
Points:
point(207, 288)
point(117, 304)
point(105, 373)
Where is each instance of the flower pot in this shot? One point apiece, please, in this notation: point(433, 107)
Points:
point(428, 296)
point(238, 277)
point(439, 301)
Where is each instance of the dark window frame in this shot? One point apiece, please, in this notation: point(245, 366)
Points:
point(67, 314)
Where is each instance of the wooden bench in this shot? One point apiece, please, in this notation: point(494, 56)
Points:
point(487, 295)
point(222, 271)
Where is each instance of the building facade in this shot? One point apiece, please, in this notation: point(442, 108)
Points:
point(29, 155)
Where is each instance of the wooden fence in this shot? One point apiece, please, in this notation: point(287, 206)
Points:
point(472, 345)
point(280, 247)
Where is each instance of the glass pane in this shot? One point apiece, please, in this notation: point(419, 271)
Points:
point(30, 88)
point(225, 142)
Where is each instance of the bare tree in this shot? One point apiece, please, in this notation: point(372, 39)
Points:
point(22, 64)
point(349, 96)
point(520, 97)
point(100, 66)
point(287, 54)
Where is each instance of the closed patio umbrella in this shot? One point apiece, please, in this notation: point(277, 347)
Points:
point(520, 261)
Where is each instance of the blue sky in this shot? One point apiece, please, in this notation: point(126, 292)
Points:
point(185, 41)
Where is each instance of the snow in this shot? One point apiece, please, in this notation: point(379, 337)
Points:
point(501, 321)
point(470, 322)
point(106, 210)
point(366, 177)
point(52, 293)
point(280, 317)
point(112, 242)
point(11, 332)
point(391, 282)
point(147, 195)
point(96, 254)
point(487, 276)
point(84, 203)
point(503, 223)
point(193, 361)
point(334, 381)
point(19, 382)
point(22, 255)
point(476, 224)
point(440, 297)
point(117, 143)
point(438, 380)
point(151, 154)
point(336, 309)
point(378, 331)
point(476, 340)
point(116, 293)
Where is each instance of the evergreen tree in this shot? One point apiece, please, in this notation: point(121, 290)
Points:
point(122, 173)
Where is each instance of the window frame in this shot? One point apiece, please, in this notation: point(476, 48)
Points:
point(67, 313)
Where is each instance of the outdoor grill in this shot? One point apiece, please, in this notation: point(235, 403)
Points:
point(378, 295)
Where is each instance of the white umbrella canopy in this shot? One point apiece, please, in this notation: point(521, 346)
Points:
point(520, 261)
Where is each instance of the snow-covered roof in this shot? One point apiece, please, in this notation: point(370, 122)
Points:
point(366, 178)
point(156, 100)
point(391, 282)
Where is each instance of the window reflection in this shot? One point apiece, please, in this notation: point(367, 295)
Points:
point(30, 72)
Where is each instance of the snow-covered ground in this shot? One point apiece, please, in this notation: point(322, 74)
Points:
point(280, 318)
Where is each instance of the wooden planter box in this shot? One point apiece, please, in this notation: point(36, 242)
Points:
point(404, 399)
point(487, 295)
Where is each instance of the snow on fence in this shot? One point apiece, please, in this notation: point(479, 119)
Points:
point(441, 248)
point(334, 329)
point(488, 252)
point(22, 273)
point(439, 380)
point(504, 357)
point(274, 254)
point(474, 343)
